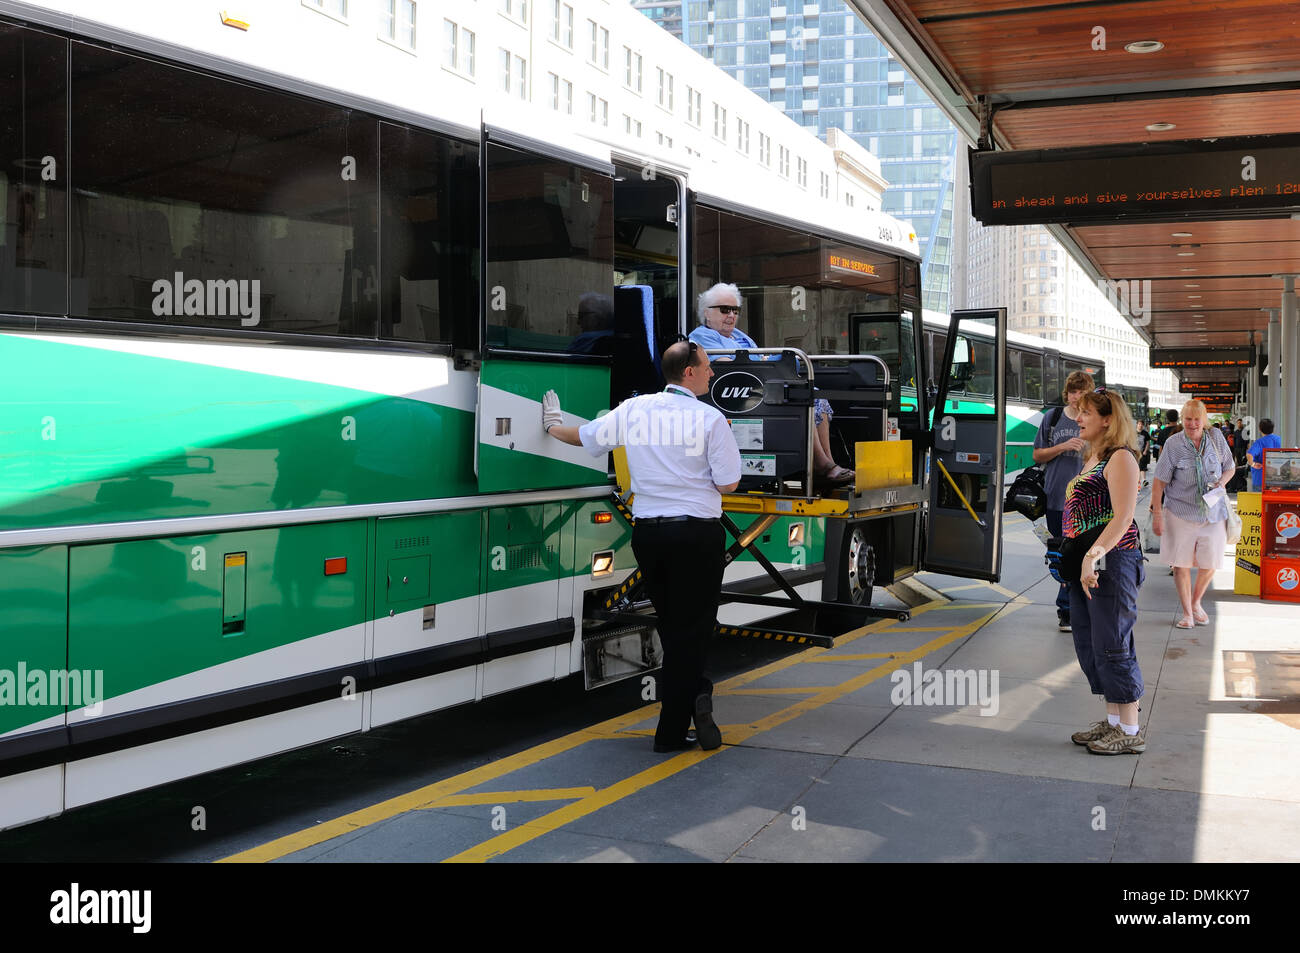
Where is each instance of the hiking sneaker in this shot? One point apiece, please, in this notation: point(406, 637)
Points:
point(1098, 729)
point(1063, 620)
point(1116, 742)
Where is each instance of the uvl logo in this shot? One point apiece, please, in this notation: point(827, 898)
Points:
point(737, 392)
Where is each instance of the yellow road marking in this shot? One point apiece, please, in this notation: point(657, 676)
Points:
point(425, 796)
point(513, 797)
point(859, 656)
point(496, 846)
point(433, 794)
point(769, 691)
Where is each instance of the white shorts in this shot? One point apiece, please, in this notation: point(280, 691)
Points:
point(1185, 544)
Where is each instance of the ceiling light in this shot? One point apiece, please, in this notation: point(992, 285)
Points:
point(1191, 286)
point(1193, 296)
point(1186, 269)
point(1181, 234)
point(1160, 127)
point(1186, 254)
point(1144, 46)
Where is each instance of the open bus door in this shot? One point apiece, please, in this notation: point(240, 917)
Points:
point(963, 534)
point(547, 311)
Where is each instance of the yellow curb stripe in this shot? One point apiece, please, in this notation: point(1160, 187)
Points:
point(861, 656)
point(496, 846)
point(513, 797)
point(425, 796)
point(769, 691)
point(571, 812)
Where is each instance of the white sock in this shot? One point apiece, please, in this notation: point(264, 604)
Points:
point(1129, 730)
point(1113, 719)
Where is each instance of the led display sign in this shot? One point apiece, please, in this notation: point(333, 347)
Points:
point(1202, 357)
point(1159, 181)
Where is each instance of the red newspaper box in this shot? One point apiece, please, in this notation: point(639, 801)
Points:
point(1279, 522)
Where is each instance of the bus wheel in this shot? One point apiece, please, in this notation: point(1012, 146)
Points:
point(858, 568)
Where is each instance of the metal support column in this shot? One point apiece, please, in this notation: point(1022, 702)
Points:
point(1274, 344)
point(1290, 407)
point(1252, 388)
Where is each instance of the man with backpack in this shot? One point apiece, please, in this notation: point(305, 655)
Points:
point(1059, 448)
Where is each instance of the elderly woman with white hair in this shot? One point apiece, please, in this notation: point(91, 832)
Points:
point(1192, 530)
point(719, 312)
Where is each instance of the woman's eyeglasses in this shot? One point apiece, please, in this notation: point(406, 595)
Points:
point(726, 308)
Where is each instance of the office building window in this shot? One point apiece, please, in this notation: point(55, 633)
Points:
point(458, 49)
point(598, 55)
point(631, 70)
point(665, 89)
point(562, 24)
point(334, 8)
point(397, 22)
point(515, 9)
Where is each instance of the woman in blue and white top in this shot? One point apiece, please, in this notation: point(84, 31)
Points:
point(1193, 530)
point(719, 311)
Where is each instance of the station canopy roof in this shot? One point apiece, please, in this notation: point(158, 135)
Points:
point(1056, 74)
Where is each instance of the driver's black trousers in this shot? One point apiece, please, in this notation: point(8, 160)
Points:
point(682, 563)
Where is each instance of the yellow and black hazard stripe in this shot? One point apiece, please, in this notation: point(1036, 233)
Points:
point(775, 635)
point(617, 594)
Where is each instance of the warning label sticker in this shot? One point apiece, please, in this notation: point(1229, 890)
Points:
point(752, 464)
point(748, 434)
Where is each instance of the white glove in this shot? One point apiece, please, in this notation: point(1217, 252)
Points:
point(551, 415)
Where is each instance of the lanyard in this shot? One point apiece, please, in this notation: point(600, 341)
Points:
point(677, 389)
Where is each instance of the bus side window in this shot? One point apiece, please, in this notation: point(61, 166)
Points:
point(1032, 367)
point(1014, 375)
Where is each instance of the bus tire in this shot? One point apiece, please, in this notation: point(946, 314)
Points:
point(853, 575)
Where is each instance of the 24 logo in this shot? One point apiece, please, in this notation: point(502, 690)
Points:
point(1288, 524)
point(1288, 578)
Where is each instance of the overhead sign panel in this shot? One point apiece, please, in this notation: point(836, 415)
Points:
point(1227, 388)
point(1202, 356)
point(1160, 181)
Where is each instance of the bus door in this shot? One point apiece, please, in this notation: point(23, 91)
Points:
point(647, 275)
point(548, 311)
point(963, 535)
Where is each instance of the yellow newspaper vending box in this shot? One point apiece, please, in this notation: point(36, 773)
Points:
point(1246, 581)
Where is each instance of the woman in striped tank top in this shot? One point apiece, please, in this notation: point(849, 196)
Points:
point(1103, 601)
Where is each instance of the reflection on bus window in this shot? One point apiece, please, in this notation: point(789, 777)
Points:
point(550, 243)
point(799, 290)
point(206, 202)
point(33, 150)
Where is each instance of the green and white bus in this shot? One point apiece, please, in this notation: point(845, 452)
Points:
point(274, 337)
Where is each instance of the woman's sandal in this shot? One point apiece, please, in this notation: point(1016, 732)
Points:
point(1186, 622)
point(1202, 619)
point(836, 476)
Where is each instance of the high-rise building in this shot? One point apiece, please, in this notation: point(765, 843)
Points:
point(1047, 294)
point(819, 64)
point(667, 13)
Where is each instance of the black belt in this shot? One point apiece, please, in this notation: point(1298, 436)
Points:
point(678, 519)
